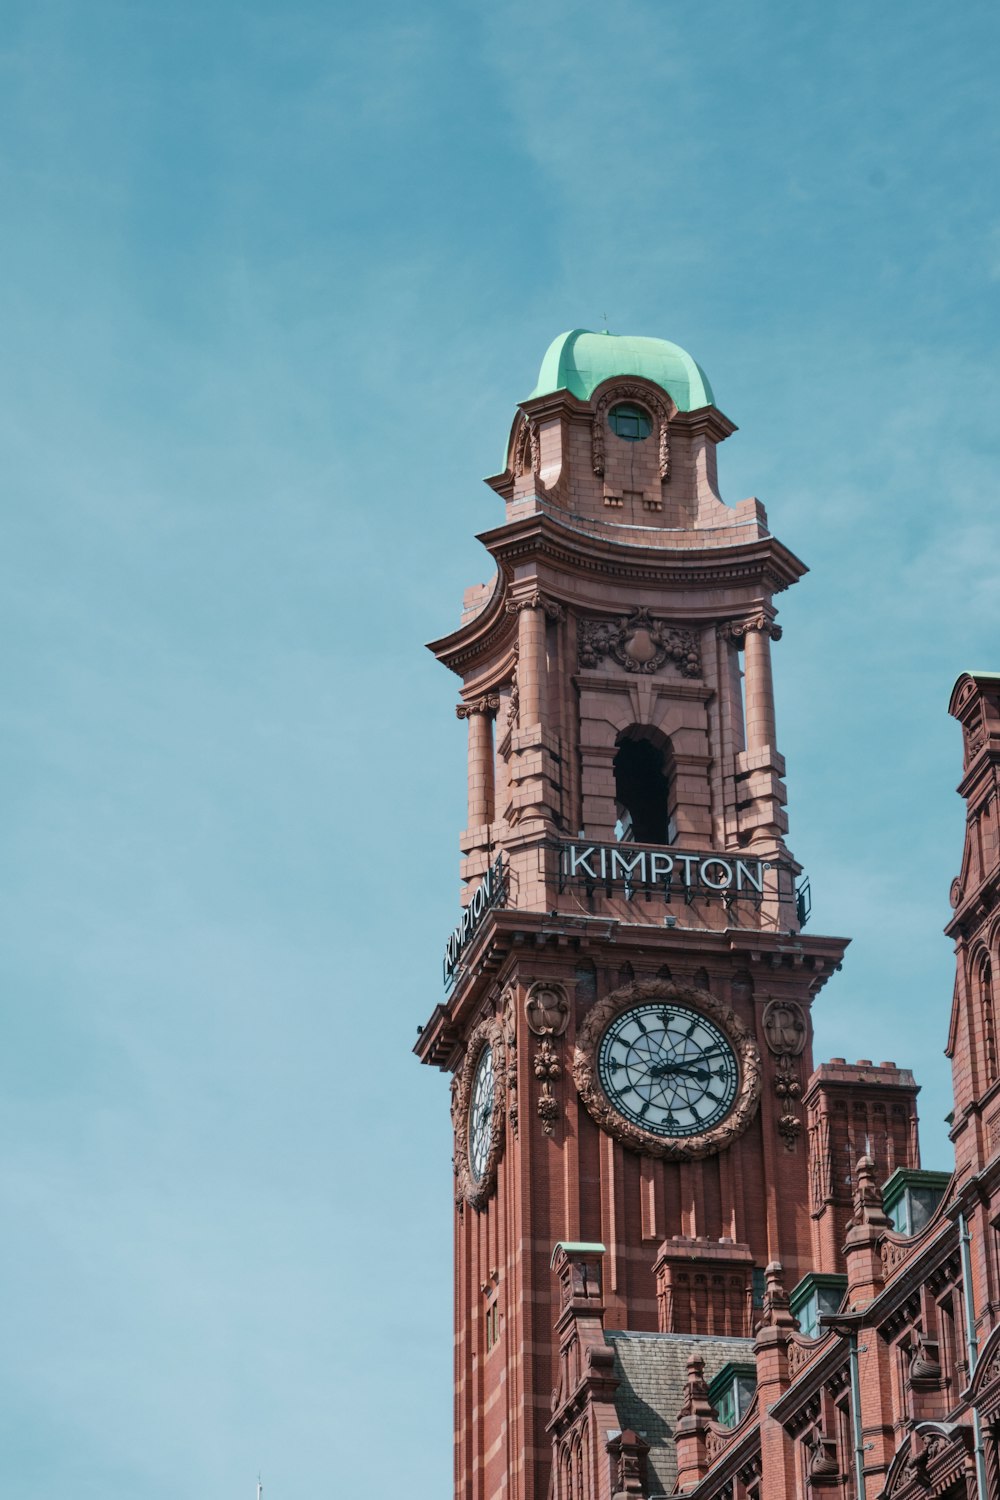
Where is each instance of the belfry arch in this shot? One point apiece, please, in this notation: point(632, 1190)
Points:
point(645, 786)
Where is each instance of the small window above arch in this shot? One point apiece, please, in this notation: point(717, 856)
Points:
point(630, 422)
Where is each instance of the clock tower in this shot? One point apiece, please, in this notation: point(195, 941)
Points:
point(626, 1015)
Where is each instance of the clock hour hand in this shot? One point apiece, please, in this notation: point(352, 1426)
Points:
point(665, 1069)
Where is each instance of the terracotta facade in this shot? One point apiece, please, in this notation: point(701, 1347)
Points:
point(648, 1166)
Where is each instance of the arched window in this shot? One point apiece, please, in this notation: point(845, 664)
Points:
point(643, 787)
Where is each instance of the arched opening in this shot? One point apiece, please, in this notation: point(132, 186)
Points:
point(643, 788)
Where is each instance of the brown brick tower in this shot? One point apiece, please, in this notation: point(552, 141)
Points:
point(627, 1020)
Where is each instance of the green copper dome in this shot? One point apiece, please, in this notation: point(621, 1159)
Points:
point(579, 361)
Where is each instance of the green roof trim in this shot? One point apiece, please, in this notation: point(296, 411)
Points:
point(576, 1247)
point(580, 361)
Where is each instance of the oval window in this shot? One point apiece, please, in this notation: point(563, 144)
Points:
point(629, 422)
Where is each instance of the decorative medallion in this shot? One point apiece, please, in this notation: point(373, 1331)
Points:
point(667, 1069)
point(547, 1009)
point(478, 1113)
point(639, 643)
point(785, 1028)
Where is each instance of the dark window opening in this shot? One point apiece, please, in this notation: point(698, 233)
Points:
point(642, 793)
point(629, 422)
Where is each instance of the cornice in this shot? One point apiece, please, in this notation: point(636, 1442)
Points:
point(579, 551)
point(491, 630)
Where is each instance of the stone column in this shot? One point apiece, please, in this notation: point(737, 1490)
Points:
point(480, 716)
point(759, 684)
point(531, 667)
point(759, 768)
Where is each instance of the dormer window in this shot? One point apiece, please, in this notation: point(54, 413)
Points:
point(816, 1296)
point(629, 422)
point(732, 1391)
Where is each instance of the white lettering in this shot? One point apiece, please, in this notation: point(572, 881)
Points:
point(655, 860)
point(579, 861)
point(744, 872)
point(716, 885)
point(687, 860)
point(628, 866)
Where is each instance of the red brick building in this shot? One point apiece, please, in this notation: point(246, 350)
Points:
point(687, 1259)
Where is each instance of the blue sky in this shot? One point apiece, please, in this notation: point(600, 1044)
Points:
point(272, 279)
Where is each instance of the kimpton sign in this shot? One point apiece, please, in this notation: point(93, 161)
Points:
point(626, 865)
point(491, 891)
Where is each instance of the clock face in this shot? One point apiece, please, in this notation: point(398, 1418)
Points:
point(481, 1114)
point(668, 1069)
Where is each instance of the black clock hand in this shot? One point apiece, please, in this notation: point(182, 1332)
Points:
point(663, 1070)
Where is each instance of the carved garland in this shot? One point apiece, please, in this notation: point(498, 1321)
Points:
point(682, 1148)
point(473, 1190)
point(644, 398)
point(638, 642)
point(785, 1031)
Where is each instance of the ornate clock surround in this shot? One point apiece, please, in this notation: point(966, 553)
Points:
point(604, 1113)
point(477, 1190)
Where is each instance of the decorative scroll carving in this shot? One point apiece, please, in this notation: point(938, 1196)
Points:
point(639, 643)
point(737, 630)
point(473, 1190)
point(547, 1009)
point(514, 706)
point(681, 1148)
point(487, 704)
point(527, 449)
point(547, 1070)
point(928, 1461)
point(801, 1351)
point(553, 609)
point(651, 403)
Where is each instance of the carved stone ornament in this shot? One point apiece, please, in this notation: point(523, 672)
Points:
point(737, 630)
point(929, 1460)
point(679, 1148)
point(785, 1027)
point(547, 1069)
point(476, 1190)
point(546, 1009)
point(552, 608)
point(487, 704)
point(823, 1469)
point(641, 396)
point(639, 643)
point(527, 449)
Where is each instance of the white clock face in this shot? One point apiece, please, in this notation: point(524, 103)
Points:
point(481, 1114)
point(668, 1069)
